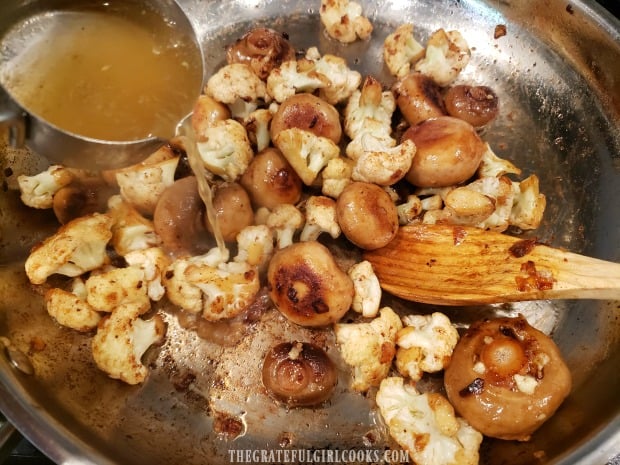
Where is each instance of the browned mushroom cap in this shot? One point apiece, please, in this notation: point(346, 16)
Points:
point(233, 210)
point(178, 219)
point(367, 215)
point(477, 105)
point(448, 152)
point(206, 112)
point(81, 198)
point(270, 180)
point(307, 286)
point(299, 374)
point(263, 49)
point(308, 112)
point(418, 98)
point(506, 378)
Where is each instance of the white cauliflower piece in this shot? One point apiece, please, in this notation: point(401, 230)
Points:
point(500, 191)
point(38, 191)
point(255, 245)
point(215, 291)
point(383, 165)
point(294, 76)
point(112, 288)
point(493, 166)
point(307, 153)
point(141, 185)
point(343, 20)
point(122, 339)
point(320, 217)
point(367, 290)
point(285, 219)
point(425, 425)
point(257, 128)
point(369, 110)
point(425, 344)
point(369, 348)
point(70, 309)
point(225, 149)
point(336, 176)
point(153, 262)
point(529, 204)
point(447, 53)
point(343, 81)
point(130, 230)
point(409, 210)
point(77, 247)
point(401, 50)
point(239, 87)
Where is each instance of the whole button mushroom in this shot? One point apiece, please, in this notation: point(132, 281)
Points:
point(307, 286)
point(233, 210)
point(418, 98)
point(506, 378)
point(367, 215)
point(299, 374)
point(449, 152)
point(478, 105)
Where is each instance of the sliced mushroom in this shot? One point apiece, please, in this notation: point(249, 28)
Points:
point(367, 215)
point(310, 113)
point(418, 98)
point(299, 374)
point(506, 378)
point(307, 286)
point(449, 152)
point(178, 219)
point(270, 180)
point(233, 210)
point(478, 105)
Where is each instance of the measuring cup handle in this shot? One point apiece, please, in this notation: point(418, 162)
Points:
point(12, 120)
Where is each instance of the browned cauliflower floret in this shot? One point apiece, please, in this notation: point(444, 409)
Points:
point(336, 176)
point(130, 230)
point(447, 53)
point(237, 86)
point(77, 247)
point(343, 20)
point(37, 191)
point(369, 348)
point(401, 50)
point(153, 262)
point(70, 308)
point(107, 290)
point(367, 297)
point(295, 76)
point(529, 204)
point(426, 426)
point(320, 217)
point(284, 220)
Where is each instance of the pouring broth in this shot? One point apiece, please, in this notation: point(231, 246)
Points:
point(106, 74)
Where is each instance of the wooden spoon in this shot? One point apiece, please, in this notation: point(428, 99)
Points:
point(456, 265)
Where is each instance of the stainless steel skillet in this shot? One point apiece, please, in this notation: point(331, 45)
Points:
point(557, 71)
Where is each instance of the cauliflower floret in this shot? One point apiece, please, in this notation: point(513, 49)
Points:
point(343, 81)
point(121, 340)
point(237, 86)
point(425, 425)
point(225, 149)
point(383, 165)
point(255, 245)
point(369, 347)
point(110, 289)
point(142, 184)
point(369, 110)
point(493, 166)
point(367, 296)
point(153, 262)
point(320, 217)
point(447, 53)
point(70, 309)
point(130, 230)
point(401, 50)
point(425, 344)
point(285, 219)
point(38, 191)
point(257, 128)
point(343, 20)
point(217, 291)
point(410, 210)
point(307, 153)
point(500, 191)
point(529, 204)
point(336, 176)
point(294, 76)
point(77, 247)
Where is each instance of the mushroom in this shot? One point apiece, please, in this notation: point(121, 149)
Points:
point(307, 286)
point(233, 210)
point(477, 105)
point(263, 49)
point(178, 219)
point(270, 180)
point(81, 198)
point(418, 98)
point(310, 113)
point(367, 215)
point(299, 374)
point(449, 152)
point(206, 112)
point(506, 378)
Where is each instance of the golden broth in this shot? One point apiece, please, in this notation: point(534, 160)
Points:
point(99, 74)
